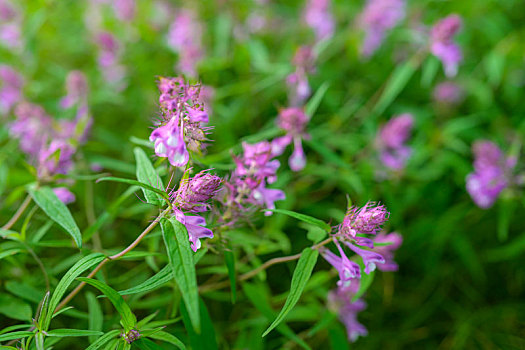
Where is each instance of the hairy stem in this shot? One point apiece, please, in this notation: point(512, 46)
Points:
point(254, 272)
point(148, 229)
point(18, 213)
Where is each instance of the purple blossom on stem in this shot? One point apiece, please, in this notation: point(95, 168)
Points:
point(491, 173)
point(365, 220)
point(298, 80)
point(182, 125)
point(391, 141)
point(10, 25)
point(370, 258)
point(184, 37)
point(109, 58)
point(448, 92)
point(348, 270)
point(442, 45)
point(394, 241)
point(293, 120)
point(124, 9)
point(318, 16)
point(64, 194)
point(378, 17)
point(30, 127)
point(76, 88)
point(340, 301)
point(56, 158)
point(11, 84)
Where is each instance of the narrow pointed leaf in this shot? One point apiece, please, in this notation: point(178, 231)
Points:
point(103, 340)
point(146, 174)
point(316, 99)
point(230, 264)
point(72, 333)
point(154, 282)
point(96, 317)
point(75, 271)
point(300, 277)
point(136, 183)
point(128, 318)
point(168, 338)
point(206, 339)
point(180, 257)
point(15, 335)
point(56, 210)
point(303, 217)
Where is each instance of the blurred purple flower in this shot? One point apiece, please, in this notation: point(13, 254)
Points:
point(184, 37)
point(340, 302)
point(76, 88)
point(377, 18)
point(293, 120)
point(64, 194)
point(391, 141)
point(442, 45)
point(31, 127)
point(109, 59)
point(298, 80)
point(11, 84)
point(10, 25)
point(318, 16)
point(124, 9)
point(370, 258)
point(491, 173)
point(182, 125)
point(56, 158)
point(448, 92)
point(394, 241)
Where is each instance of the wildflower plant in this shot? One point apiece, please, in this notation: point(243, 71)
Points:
point(261, 175)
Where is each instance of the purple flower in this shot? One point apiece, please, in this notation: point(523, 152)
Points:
point(109, 59)
point(365, 220)
point(11, 84)
point(193, 194)
point(348, 270)
point(131, 336)
point(370, 258)
point(10, 25)
point(182, 126)
point(64, 194)
point(184, 37)
point(391, 141)
point(340, 301)
point(442, 45)
point(56, 158)
point(293, 120)
point(377, 18)
point(394, 241)
point(31, 127)
point(195, 226)
point(318, 16)
point(448, 92)
point(491, 173)
point(124, 9)
point(298, 80)
point(76, 87)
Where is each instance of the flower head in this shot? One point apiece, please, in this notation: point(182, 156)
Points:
point(64, 194)
point(76, 87)
point(131, 336)
point(11, 84)
point(318, 16)
point(193, 194)
point(391, 141)
point(185, 38)
point(442, 45)
point(448, 92)
point(365, 220)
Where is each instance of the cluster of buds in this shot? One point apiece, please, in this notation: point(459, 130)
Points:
point(318, 16)
point(193, 196)
point(131, 336)
point(293, 121)
point(492, 173)
point(297, 81)
point(184, 37)
point(378, 17)
point(181, 128)
point(391, 140)
point(443, 46)
point(360, 233)
point(246, 189)
point(11, 84)
point(51, 144)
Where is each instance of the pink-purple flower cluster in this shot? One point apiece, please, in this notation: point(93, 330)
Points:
point(391, 141)
point(11, 84)
point(293, 121)
point(297, 81)
point(443, 46)
point(360, 233)
point(193, 196)
point(10, 26)
point(109, 57)
point(492, 173)
point(319, 17)
point(182, 127)
point(378, 17)
point(184, 37)
point(448, 92)
point(246, 189)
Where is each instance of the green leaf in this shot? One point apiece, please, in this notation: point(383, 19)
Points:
point(24, 291)
point(56, 210)
point(146, 174)
point(300, 277)
point(9, 252)
point(103, 340)
point(128, 318)
point(75, 271)
point(14, 308)
point(72, 333)
point(316, 99)
point(15, 335)
point(315, 233)
point(180, 257)
point(396, 83)
point(96, 317)
point(168, 338)
point(230, 264)
point(305, 218)
point(206, 339)
point(154, 282)
point(136, 183)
